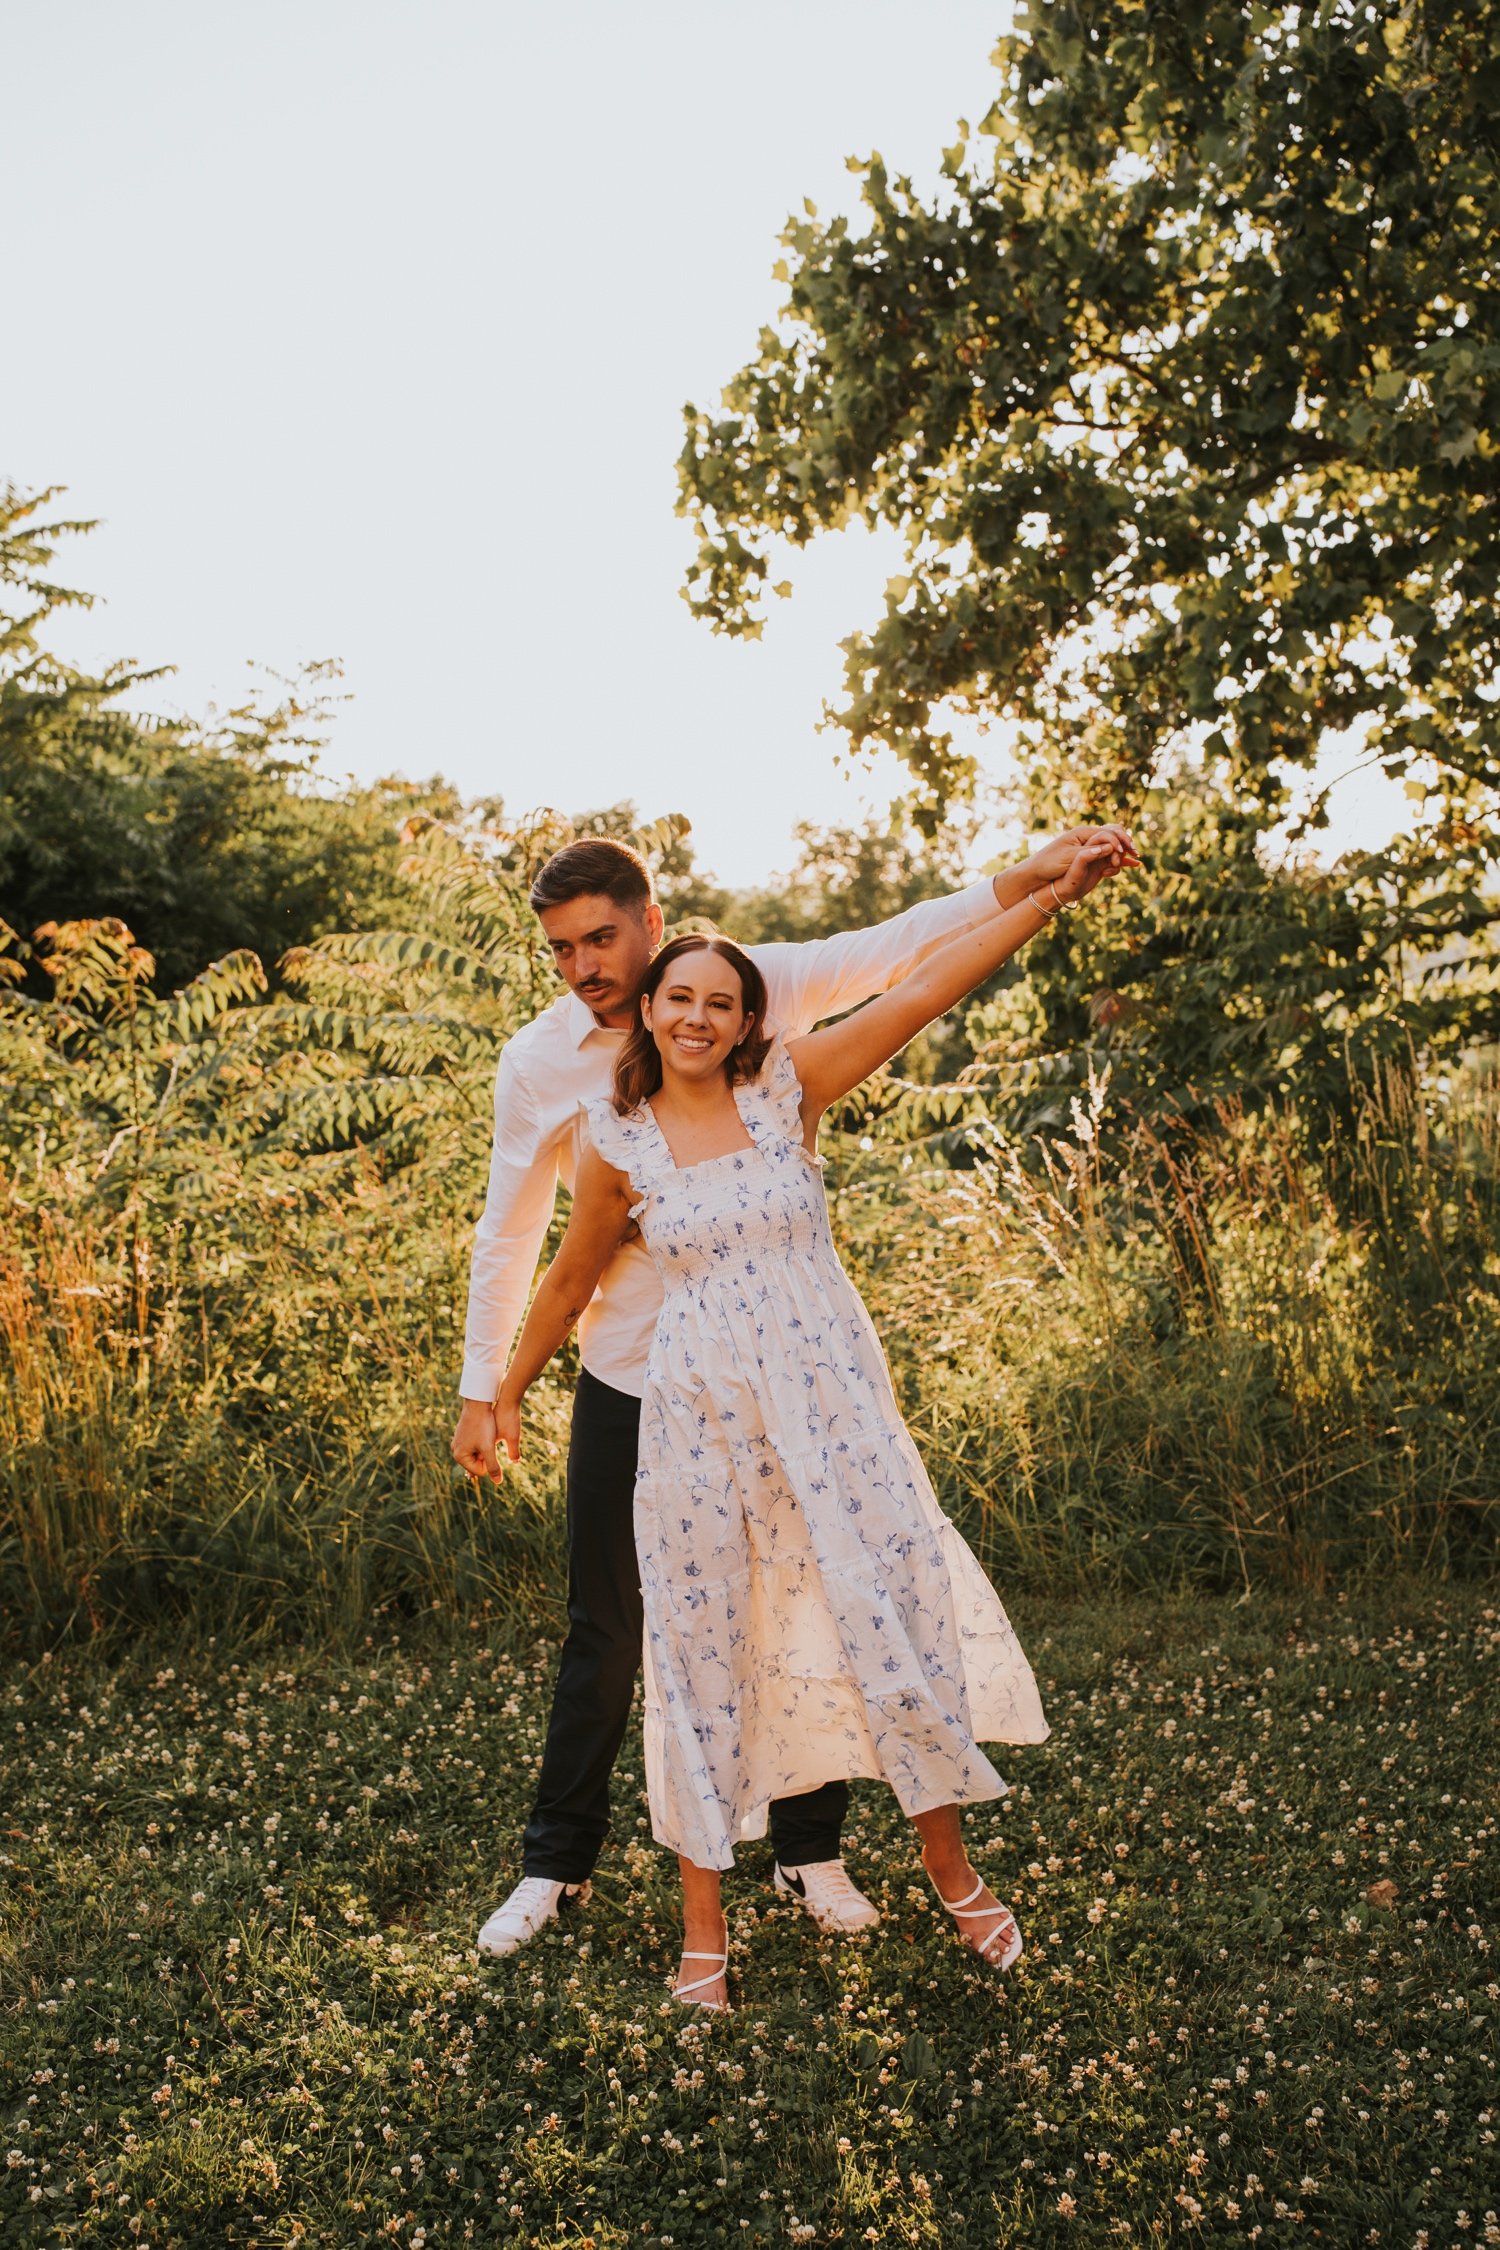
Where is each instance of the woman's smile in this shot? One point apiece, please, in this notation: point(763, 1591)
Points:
point(696, 1015)
point(691, 1046)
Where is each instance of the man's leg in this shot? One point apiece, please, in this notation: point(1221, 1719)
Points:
point(809, 1827)
point(602, 1653)
point(807, 1839)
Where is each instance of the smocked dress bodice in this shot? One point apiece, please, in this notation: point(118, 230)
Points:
point(710, 1222)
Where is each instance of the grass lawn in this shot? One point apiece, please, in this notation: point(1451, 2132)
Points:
point(1255, 1864)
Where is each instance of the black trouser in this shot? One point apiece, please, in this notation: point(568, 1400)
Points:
point(602, 1654)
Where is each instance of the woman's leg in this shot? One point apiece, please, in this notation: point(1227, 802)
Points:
point(704, 1933)
point(987, 1928)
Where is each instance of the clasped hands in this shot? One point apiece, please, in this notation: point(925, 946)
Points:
point(1053, 861)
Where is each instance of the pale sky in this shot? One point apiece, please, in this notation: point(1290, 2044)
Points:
point(366, 328)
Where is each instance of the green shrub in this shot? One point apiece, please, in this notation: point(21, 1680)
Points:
point(234, 1243)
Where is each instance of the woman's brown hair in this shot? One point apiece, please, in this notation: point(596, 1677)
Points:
point(638, 1065)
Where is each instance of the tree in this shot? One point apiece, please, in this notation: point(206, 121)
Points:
point(203, 840)
point(1181, 394)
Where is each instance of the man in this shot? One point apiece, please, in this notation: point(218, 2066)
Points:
point(595, 904)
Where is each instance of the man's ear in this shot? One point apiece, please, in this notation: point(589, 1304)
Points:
point(656, 922)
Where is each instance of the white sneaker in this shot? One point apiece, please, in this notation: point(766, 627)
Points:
point(824, 1888)
point(531, 1906)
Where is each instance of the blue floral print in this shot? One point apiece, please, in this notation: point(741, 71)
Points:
point(811, 1613)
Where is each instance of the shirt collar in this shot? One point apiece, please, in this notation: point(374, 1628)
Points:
point(580, 1021)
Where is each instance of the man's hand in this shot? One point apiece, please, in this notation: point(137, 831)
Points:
point(1093, 863)
point(1052, 862)
point(474, 1441)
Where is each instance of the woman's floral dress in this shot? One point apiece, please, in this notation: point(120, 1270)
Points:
point(811, 1613)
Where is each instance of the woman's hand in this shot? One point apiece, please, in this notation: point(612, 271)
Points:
point(1100, 856)
point(508, 1424)
point(1051, 863)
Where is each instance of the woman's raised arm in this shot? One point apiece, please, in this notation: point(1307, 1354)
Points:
point(597, 1225)
point(831, 1061)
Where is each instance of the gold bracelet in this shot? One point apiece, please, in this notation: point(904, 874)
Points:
point(1064, 905)
point(1048, 913)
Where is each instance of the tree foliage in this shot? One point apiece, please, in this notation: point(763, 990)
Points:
point(1200, 361)
point(1181, 393)
point(378, 1050)
point(202, 838)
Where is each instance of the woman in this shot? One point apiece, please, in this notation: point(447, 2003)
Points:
point(810, 1612)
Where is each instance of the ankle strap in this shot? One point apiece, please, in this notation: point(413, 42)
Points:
point(957, 1905)
point(720, 1961)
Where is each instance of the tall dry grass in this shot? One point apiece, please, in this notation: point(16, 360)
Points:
point(1264, 1354)
point(252, 1437)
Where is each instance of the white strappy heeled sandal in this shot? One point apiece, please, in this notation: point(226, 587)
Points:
point(684, 1992)
point(964, 1910)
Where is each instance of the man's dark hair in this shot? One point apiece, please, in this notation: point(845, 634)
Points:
point(593, 863)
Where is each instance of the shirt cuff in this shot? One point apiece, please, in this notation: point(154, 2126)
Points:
point(980, 899)
point(480, 1379)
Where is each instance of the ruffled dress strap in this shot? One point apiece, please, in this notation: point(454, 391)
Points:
point(632, 1144)
point(773, 1098)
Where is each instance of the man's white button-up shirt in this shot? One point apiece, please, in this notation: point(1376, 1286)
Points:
point(564, 1058)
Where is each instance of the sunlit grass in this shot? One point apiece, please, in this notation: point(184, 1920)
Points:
point(1255, 1864)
